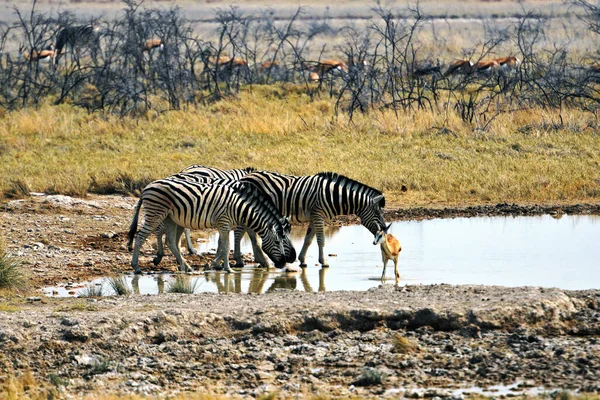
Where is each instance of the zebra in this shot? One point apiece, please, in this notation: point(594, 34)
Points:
point(201, 174)
point(316, 199)
point(77, 36)
point(290, 252)
point(183, 204)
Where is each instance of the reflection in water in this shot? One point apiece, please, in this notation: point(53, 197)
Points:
point(508, 251)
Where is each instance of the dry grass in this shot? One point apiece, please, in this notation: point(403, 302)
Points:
point(522, 157)
point(402, 345)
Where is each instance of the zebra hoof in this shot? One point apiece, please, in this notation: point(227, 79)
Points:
point(325, 266)
point(302, 265)
point(137, 271)
point(156, 260)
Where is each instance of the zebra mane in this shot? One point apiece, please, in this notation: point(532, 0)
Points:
point(335, 177)
point(249, 169)
point(257, 198)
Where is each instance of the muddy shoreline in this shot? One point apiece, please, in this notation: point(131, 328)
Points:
point(384, 342)
point(63, 239)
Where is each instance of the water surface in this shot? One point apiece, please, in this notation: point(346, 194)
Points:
point(508, 251)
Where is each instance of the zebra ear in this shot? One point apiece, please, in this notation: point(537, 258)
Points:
point(387, 228)
point(379, 200)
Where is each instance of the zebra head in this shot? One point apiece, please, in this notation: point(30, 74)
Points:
point(288, 247)
point(272, 244)
point(380, 236)
point(371, 214)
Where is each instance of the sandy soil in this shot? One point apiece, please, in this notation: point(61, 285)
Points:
point(413, 341)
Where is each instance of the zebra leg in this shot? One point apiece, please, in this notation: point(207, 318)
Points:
point(238, 234)
point(188, 237)
point(223, 250)
point(310, 235)
point(160, 250)
point(174, 233)
point(319, 226)
point(259, 255)
point(151, 223)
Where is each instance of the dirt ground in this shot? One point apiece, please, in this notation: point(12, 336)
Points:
point(390, 341)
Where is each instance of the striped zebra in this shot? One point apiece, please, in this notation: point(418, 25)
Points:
point(74, 36)
point(202, 174)
point(180, 204)
point(316, 199)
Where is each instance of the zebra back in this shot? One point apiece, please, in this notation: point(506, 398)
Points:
point(217, 173)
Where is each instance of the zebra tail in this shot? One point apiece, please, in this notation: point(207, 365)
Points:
point(134, 224)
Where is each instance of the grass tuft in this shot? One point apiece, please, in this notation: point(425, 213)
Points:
point(369, 377)
point(402, 345)
point(91, 290)
point(17, 189)
point(119, 285)
point(12, 277)
point(183, 284)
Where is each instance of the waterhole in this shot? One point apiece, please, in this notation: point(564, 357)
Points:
point(509, 251)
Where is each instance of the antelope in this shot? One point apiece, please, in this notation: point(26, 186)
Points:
point(47, 54)
point(390, 250)
point(486, 66)
point(152, 44)
point(268, 65)
point(508, 62)
point(321, 68)
point(459, 66)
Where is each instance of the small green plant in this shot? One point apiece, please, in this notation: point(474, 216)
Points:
point(11, 272)
point(402, 345)
point(119, 285)
point(99, 367)
point(56, 380)
point(369, 377)
point(91, 290)
point(183, 284)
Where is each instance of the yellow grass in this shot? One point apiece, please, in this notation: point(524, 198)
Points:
point(522, 157)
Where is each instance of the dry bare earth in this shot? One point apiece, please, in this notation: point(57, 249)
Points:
point(293, 342)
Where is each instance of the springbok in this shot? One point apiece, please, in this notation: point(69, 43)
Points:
point(268, 65)
point(486, 66)
point(508, 62)
point(152, 44)
point(390, 249)
point(47, 55)
point(459, 66)
point(319, 69)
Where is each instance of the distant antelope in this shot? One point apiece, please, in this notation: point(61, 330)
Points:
point(459, 66)
point(77, 36)
point(152, 44)
point(390, 249)
point(508, 62)
point(47, 55)
point(268, 65)
point(321, 68)
point(486, 66)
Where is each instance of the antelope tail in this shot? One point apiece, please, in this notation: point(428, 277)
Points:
point(134, 224)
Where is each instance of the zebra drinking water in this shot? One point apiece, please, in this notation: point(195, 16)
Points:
point(183, 204)
point(316, 199)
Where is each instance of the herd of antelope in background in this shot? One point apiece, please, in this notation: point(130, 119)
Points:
point(72, 37)
point(79, 36)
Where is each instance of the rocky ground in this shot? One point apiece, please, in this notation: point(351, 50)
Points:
point(386, 341)
point(412, 341)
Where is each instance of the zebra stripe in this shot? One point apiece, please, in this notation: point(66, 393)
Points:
point(74, 36)
point(318, 198)
point(202, 174)
point(184, 204)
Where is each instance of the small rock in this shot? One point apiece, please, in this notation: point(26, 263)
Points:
point(76, 335)
point(34, 299)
